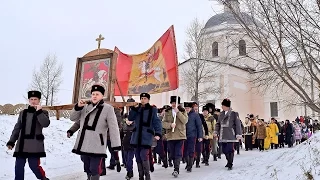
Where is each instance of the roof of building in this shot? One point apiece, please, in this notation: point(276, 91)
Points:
point(229, 18)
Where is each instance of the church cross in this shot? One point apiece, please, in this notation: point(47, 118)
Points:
point(99, 39)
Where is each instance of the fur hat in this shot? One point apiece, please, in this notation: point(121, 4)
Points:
point(210, 105)
point(36, 94)
point(226, 102)
point(165, 107)
point(145, 95)
point(174, 99)
point(188, 104)
point(98, 88)
point(205, 108)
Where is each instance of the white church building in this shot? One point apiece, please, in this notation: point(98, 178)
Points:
point(233, 73)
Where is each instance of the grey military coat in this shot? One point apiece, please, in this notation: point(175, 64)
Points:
point(228, 127)
point(94, 122)
point(28, 133)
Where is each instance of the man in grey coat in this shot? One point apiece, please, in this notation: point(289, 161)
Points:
point(228, 128)
point(28, 132)
point(94, 120)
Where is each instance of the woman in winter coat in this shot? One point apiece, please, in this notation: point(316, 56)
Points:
point(267, 140)
point(288, 133)
point(297, 133)
point(261, 135)
point(274, 132)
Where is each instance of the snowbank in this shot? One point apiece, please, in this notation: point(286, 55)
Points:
point(59, 158)
point(61, 164)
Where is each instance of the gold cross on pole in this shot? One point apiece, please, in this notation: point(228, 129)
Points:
point(99, 39)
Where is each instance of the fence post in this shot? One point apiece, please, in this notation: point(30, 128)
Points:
point(57, 114)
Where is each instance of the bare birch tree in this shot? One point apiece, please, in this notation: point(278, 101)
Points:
point(48, 79)
point(198, 77)
point(289, 42)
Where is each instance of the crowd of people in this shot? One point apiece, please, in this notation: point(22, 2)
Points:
point(265, 135)
point(170, 135)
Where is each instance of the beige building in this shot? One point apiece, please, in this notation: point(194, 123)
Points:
point(232, 74)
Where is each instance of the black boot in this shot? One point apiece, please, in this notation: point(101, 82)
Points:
point(183, 160)
point(88, 177)
point(154, 157)
point(198, 161)
point(191, 160)
point(176, 170)
point(129, 175)
point(141, 172)
point(170, 162)
point(111, 167)
point(227, 157)
point(151, 167)
point(96, 177)
point(206, 157)
point(103, 167)
point(187, 162)
point(215, 157)
point(159, 160)
point(146, 169)
point(203, 159)
point(230, 161)
point(118, 166)
point(165, 162)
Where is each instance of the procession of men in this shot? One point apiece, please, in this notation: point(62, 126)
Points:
point(177, 133)
point(181, 133)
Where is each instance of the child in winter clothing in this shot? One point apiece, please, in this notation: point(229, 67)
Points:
point(304, 133)
point(297, 133)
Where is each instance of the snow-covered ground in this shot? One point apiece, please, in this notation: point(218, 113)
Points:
point(61, 164)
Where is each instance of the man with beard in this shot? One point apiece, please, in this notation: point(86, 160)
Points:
point(228, 128)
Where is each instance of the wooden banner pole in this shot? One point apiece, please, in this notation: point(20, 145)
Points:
point(175, 116)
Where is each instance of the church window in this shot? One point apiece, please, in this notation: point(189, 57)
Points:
point(242, 48)
point(215, 50)
point(274, 109)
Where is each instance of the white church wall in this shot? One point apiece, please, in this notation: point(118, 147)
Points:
point(239, 91)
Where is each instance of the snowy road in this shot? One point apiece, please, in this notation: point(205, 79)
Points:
point(215, 171)
point(61, 164)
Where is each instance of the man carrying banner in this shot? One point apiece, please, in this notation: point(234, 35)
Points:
point(147, 126)
point(94, 120)
point(175, 131)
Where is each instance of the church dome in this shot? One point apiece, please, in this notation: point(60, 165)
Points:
point(228, 18)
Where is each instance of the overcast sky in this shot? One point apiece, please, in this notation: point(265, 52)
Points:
point(31, 29)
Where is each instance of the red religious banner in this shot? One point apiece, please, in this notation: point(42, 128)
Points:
point(154, 71)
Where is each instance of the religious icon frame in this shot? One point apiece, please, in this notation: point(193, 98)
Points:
point(79, 71)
